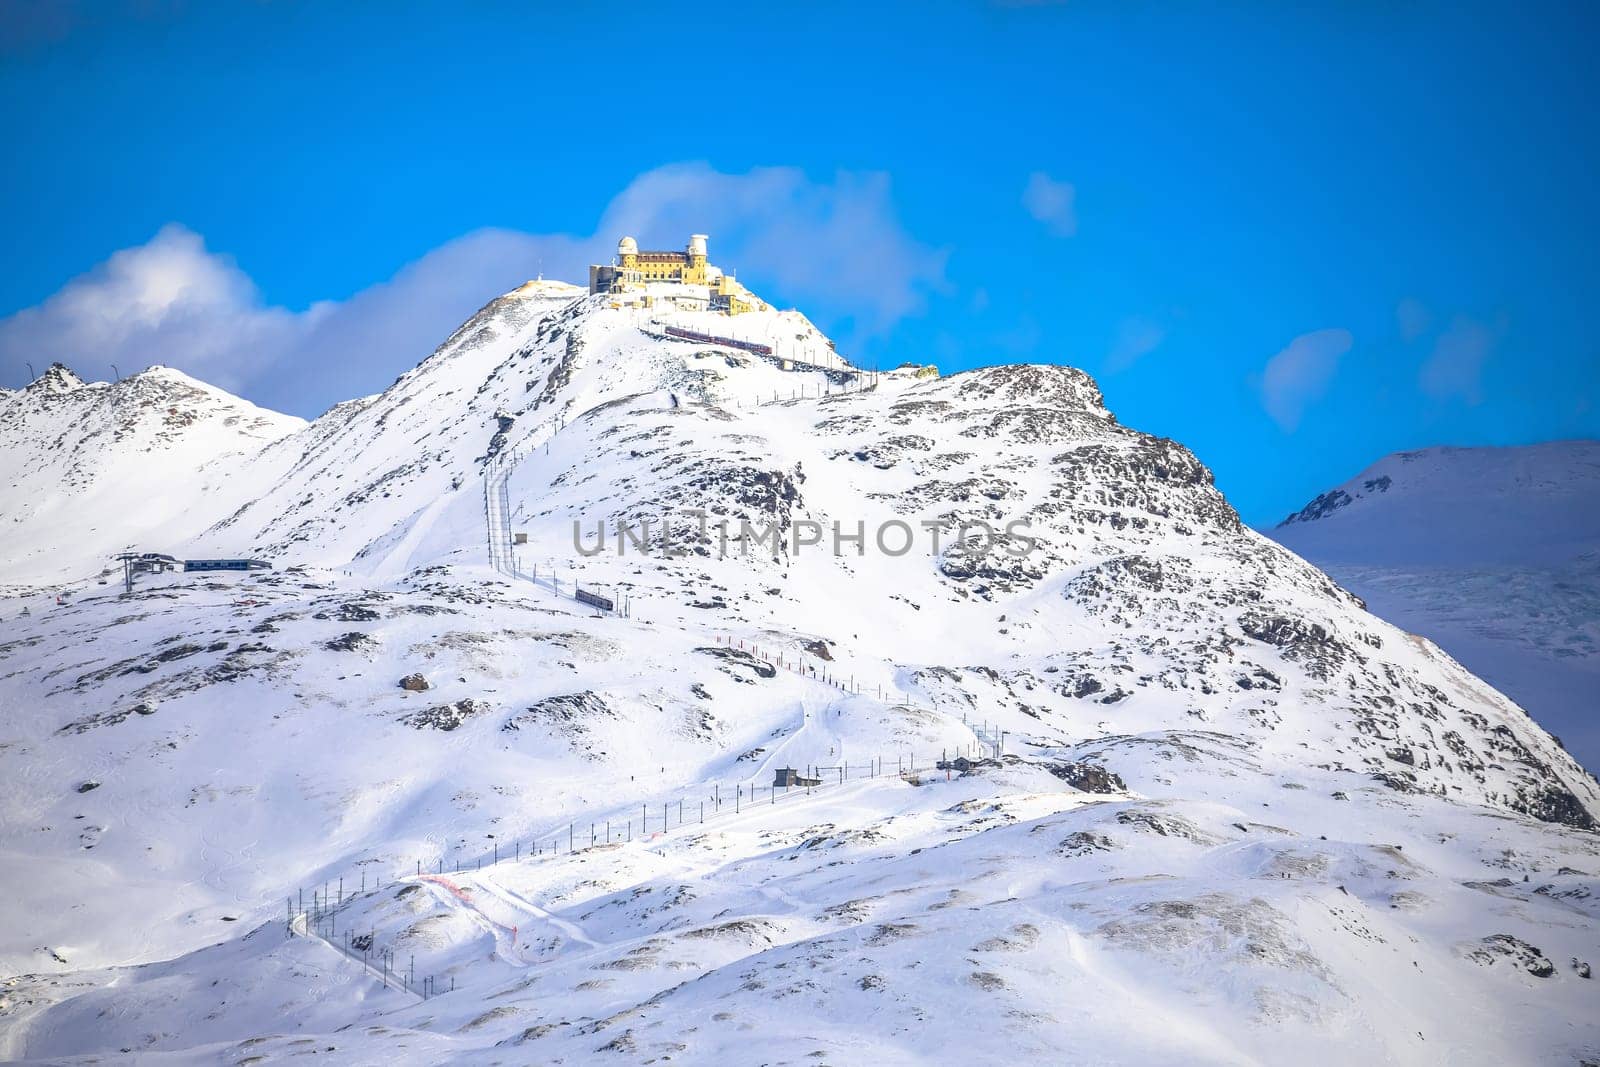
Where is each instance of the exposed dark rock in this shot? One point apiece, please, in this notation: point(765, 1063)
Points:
point(1518, 951)
point(1087, 776)
point(738, 657)
point(414, 683)
point(1166, 825)
point(445, 716)
point(571, 714)
point(1080, 842)
point(350, 642)
point(1080, 686)
point(1307, 643)
point(1550, 801)
point(1321, 507)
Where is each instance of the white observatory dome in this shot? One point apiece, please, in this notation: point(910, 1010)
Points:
point(697, 244)
point(627, 246)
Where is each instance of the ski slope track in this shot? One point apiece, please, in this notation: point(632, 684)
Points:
point(1237, 818)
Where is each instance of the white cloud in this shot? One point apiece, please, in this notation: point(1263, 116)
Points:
point(1052, 202)
point(1455, 367)
point(835, 248)
point(167, 301)
point(1136, 337)
point(1413, 318)
point(1301, 373)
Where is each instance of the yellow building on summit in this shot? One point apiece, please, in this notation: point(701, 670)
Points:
point(634, 271)
point(688, 266)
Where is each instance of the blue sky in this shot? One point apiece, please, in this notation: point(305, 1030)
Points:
point(1293, 240)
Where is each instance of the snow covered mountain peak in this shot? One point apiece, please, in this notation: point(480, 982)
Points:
point(1218, 788)
point(89, 469)
point(1517, 504)
point(57, 378)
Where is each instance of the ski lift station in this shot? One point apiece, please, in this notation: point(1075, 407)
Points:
point(136, 563)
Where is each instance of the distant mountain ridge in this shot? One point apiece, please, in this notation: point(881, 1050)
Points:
point(1516, 505)
point(1492, 552)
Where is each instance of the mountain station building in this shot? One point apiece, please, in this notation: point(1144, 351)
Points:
point(684, 279)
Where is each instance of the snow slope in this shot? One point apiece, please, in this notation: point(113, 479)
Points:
point(1237, 818)
point(1492, 552)
point(91, 469)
